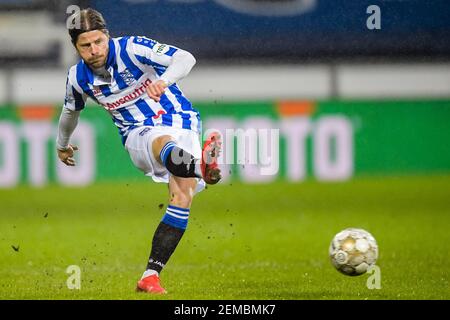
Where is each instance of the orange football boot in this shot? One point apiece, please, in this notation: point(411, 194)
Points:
point(210, 153)
point(150, 284)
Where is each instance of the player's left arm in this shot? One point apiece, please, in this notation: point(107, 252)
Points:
point(179, 63)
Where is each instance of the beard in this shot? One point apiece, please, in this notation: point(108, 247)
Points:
point(97, 63)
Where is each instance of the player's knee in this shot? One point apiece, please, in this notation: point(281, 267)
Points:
point(159, 143)
point(181, 199)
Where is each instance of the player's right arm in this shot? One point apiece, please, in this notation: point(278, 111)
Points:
point(179, 63)
point(74, 102)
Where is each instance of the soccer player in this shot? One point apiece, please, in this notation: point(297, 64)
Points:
point(134, 79)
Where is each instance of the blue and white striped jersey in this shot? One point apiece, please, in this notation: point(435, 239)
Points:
point(133, 63)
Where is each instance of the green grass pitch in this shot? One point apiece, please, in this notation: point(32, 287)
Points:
point(242, 242)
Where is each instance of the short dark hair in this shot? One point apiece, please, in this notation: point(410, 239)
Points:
point(90, 20)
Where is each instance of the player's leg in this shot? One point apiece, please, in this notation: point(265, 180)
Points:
point(178, 162)
point(181, 163)
point(169, 231)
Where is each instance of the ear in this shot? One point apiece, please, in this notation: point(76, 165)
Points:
point(106, 32)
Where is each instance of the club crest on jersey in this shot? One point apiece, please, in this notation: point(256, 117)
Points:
point(127, 76)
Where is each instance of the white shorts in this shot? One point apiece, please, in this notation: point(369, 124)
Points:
point(139, 143)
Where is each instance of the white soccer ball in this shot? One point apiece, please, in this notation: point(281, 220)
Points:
point(352, 251)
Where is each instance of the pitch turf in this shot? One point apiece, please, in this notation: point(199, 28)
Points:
point(243, 241)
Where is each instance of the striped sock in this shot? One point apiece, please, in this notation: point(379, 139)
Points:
point(166, 150)
point(176, 217)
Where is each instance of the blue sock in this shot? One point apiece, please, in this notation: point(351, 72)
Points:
point(176, 217)
point(166, 150)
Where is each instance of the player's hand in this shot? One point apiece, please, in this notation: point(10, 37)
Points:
point(156, 89)
point(66, 156)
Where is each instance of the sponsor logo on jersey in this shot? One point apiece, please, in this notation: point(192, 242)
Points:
point(129, 97)
point(160, 49)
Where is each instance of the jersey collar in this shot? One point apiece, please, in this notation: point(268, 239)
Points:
point(111, 60)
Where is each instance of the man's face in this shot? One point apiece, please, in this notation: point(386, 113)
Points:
point(93, 48)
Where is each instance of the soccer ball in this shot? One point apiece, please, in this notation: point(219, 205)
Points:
point(352, 251)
